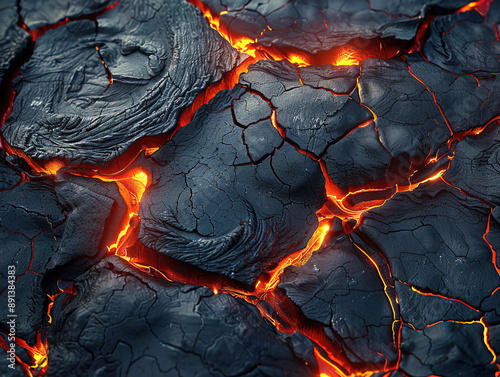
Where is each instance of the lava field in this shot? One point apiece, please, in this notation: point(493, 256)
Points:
point(249, 188)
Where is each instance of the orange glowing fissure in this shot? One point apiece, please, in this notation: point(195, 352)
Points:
point(481, 322)
point(38, 354)
point(131, 186)
point(339, 56)
point(480, 7)
point(328, 369)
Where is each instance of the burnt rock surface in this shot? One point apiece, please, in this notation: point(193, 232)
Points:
point(465, 43)
point(327, 207)
point(429, 241)
point(14, 38)
point(13, 49)
point(339, 288)
point(41, 233)
point(40, 14)
point(445, 299)
point(475, 166)
point(31, 220)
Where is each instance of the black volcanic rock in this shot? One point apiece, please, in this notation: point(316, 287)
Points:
point(9, 176)
point(132, 324)
point(31, 221)
point(466, 101)
point(39, 14)
point(466, 353)
point(262, 139)
point(428, 228)
point(218, 209)
point(160, 56)
point(463, 43)
point(408, 119)
point(357, 159)
point(43, 238)
point(13, 47)
point(340, 288)
point(395, 161)
point(315, 118)
point(321, 25)
point(475, 166)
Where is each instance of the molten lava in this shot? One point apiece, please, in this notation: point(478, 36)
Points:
point(480, 7)
point(131, 185)
point(38, 354)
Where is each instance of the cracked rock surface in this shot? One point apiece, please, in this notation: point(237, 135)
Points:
point(158, 56)
point(247, 188)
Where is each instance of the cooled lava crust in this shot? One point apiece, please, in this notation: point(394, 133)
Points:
point(243, 188)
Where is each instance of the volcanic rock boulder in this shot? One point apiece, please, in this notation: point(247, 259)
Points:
point(120, 76)
point(219, 208)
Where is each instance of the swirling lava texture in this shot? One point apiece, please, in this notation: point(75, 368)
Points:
point(250, 188)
